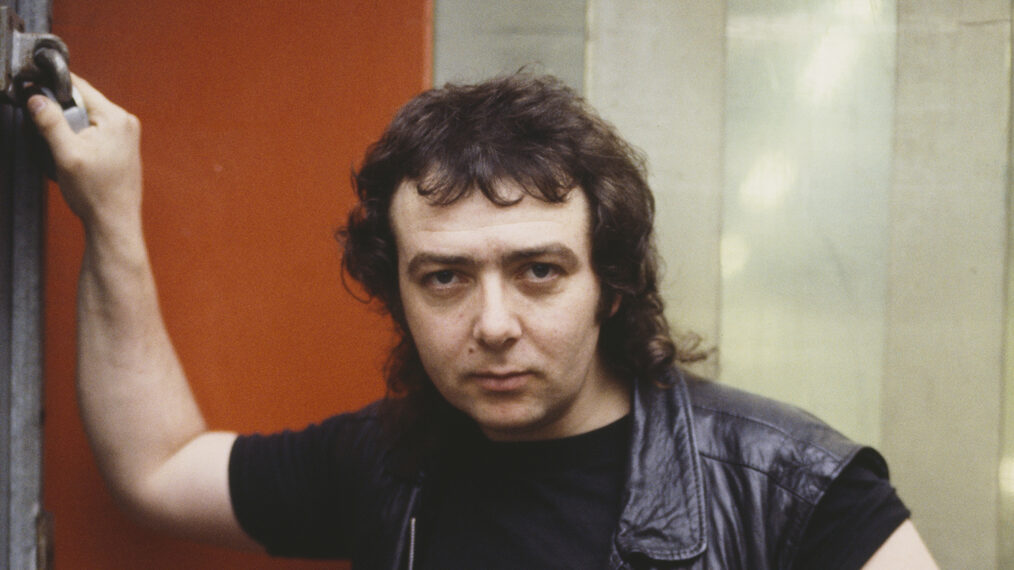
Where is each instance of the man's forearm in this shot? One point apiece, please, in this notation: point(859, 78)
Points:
point(136, 404)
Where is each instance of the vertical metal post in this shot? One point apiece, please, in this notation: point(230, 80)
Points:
point(22, 210)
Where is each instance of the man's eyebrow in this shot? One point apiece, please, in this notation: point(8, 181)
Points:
point(557, 250)
point(425, 258)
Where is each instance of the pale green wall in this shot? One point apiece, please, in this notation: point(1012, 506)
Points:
point(941, 415)
point(479, 38)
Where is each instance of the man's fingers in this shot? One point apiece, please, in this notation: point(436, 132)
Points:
point(95, 102)
point(50, 122)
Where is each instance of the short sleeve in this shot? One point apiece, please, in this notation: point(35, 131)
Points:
point(857, 514)
point(287, 490)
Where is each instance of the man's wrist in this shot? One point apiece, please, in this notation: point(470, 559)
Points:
point(118, 240)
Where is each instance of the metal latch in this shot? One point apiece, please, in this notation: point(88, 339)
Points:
point(34, 63)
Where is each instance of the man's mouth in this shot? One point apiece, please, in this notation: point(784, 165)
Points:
point(501, 381)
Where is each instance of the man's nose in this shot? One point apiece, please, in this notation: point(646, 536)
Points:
point(497, 324)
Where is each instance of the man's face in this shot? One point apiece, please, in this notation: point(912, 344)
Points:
point(501, 303)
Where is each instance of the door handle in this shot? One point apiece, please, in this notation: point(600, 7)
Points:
point(36, 62)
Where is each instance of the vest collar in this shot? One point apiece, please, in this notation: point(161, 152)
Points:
point(663, 502)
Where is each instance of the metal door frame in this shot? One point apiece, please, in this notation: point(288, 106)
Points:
point(24, 529)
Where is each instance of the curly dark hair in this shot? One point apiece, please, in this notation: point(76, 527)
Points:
point(538, 133)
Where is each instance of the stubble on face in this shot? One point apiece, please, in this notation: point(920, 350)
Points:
point(502, 303)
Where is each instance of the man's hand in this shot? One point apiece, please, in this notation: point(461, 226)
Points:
point(99, 168)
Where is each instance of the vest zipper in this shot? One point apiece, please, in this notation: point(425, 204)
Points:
point(411, 543)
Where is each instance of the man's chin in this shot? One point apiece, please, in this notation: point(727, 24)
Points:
point(515, 425)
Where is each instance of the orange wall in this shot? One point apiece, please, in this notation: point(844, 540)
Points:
point(253, 114)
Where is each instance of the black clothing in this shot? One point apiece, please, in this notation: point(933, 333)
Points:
point(554, 504)
point(852, 521)
point(536, 504)
point(714, 478)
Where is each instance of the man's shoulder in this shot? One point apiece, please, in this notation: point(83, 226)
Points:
point(354, 439)
point(725, 408)
point(361, 422)
point(735, 429)
point(367, 417)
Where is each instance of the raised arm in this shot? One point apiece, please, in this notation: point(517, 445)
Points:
point(148, 435)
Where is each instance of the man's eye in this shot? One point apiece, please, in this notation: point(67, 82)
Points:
point(542, 271)
point(441, 278)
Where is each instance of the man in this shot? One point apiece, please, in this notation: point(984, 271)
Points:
point(536, 416)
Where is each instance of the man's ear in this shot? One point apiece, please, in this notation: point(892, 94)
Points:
point(615, 306)
point(609, 304)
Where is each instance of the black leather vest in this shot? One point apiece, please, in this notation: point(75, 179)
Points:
point(723, 479)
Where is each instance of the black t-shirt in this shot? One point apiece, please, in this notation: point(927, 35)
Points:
point(539, 504)
point(857, 514)
point(543, 504)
